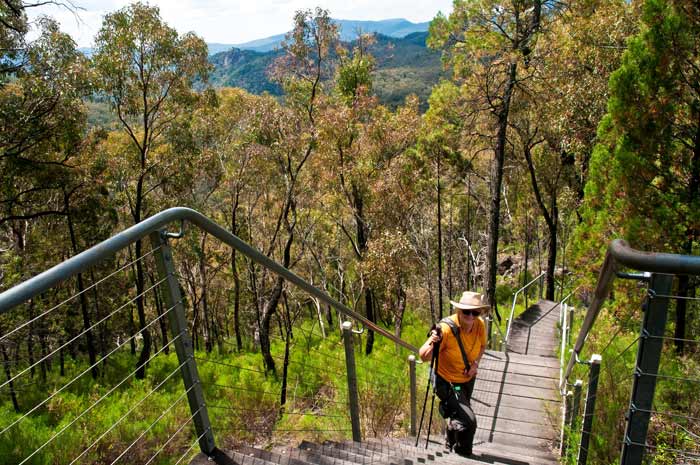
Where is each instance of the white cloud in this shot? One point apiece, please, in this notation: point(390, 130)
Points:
point(237, 21)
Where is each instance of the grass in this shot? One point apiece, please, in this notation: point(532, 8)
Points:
point(244, 404)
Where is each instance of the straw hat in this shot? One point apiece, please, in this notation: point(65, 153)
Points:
point(470, 300)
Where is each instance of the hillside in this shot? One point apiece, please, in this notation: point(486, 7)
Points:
point(348, 30)
point(404, 66)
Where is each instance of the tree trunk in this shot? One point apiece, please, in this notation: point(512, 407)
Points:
point(140, 281)
point(162, 322)
point(496, 182)
point(362, 240)
point(268, 310)
point(401, 309)
point(92, 352)
point(98, 315)
point(30, 340)
point(550, 217)
point(439, 244)
point(8, 374)
point(45, 365)
point(208, 345)
point(236, 277)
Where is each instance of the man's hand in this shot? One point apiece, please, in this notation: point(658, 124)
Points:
point(434, 337)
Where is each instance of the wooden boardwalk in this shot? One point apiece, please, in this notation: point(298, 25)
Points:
point(516, 400)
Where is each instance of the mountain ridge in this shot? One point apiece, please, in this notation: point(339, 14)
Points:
point(403, 66)
point(348, 31)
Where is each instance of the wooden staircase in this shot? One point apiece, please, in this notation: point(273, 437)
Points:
point(515, 400)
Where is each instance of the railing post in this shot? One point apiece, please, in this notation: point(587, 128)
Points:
point(646, 369)
point(576, 402)
point(568, 324)
point(566, 422)
point(489, 330)
point(412, 376)
point(352, 381)
point(170, 290)
point(593, 374)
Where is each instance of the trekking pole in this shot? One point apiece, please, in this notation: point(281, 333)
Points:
point(425, 402)
point(436, 353)
point(427, 390)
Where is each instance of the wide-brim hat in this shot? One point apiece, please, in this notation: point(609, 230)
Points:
point(470, 301)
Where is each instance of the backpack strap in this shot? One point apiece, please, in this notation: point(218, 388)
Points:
point(455, 331)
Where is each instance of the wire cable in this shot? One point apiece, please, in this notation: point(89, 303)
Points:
point(173, 436)
point(192, 445)
point(666, 449)
point(207, 360)
point(264, 393)
point(85, 371)
point(134, 408)
point(674, 339)
point(76, 295)
point(674, 378)
point(81, 334)
point(98, 401)
point(241, 409)
point(668, 414)
point(143, 433)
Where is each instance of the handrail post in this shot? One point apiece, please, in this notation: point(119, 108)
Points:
point(569, 324)
point(170, 290)
point(573, 404)
point(646, 369)
point(577, 401)
point(593, 374)
point(353, 398)
point(566, 422)
point(412, 377)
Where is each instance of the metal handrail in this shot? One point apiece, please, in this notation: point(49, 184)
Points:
point(105, 249)
point(515, 299)
point(564, 333)
point(620, 253)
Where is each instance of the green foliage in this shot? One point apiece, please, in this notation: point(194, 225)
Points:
point(504, 294)
point(646, 148)
point(243, 402)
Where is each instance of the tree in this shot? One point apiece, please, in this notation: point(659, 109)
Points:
point(487, 43)
point(301, 71)
point(650, 143)
point(41, 126)
point(146, 72)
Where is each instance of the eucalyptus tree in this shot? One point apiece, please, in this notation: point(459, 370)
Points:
point(293, 138)
point(146, 71)
point(489, 45)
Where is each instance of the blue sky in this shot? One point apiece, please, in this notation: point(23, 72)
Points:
point(237, 21)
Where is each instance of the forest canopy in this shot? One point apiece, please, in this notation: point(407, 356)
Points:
point(557, 127)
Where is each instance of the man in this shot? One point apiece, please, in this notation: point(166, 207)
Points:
point(454, 381)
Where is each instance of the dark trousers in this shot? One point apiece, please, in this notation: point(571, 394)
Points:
point(460, 416)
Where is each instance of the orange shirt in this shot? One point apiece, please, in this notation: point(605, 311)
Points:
point(450, 363)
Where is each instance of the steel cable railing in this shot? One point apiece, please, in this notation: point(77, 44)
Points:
point(509, 321)
point(644, 376)
point(149, 420)
point(77, 424)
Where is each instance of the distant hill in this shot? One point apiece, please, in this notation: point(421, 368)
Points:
point(404, 66)
point(349, 30)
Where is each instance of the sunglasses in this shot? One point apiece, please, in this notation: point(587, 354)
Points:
point(472, 312)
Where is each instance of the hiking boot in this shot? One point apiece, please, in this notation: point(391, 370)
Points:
point(463, 451)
